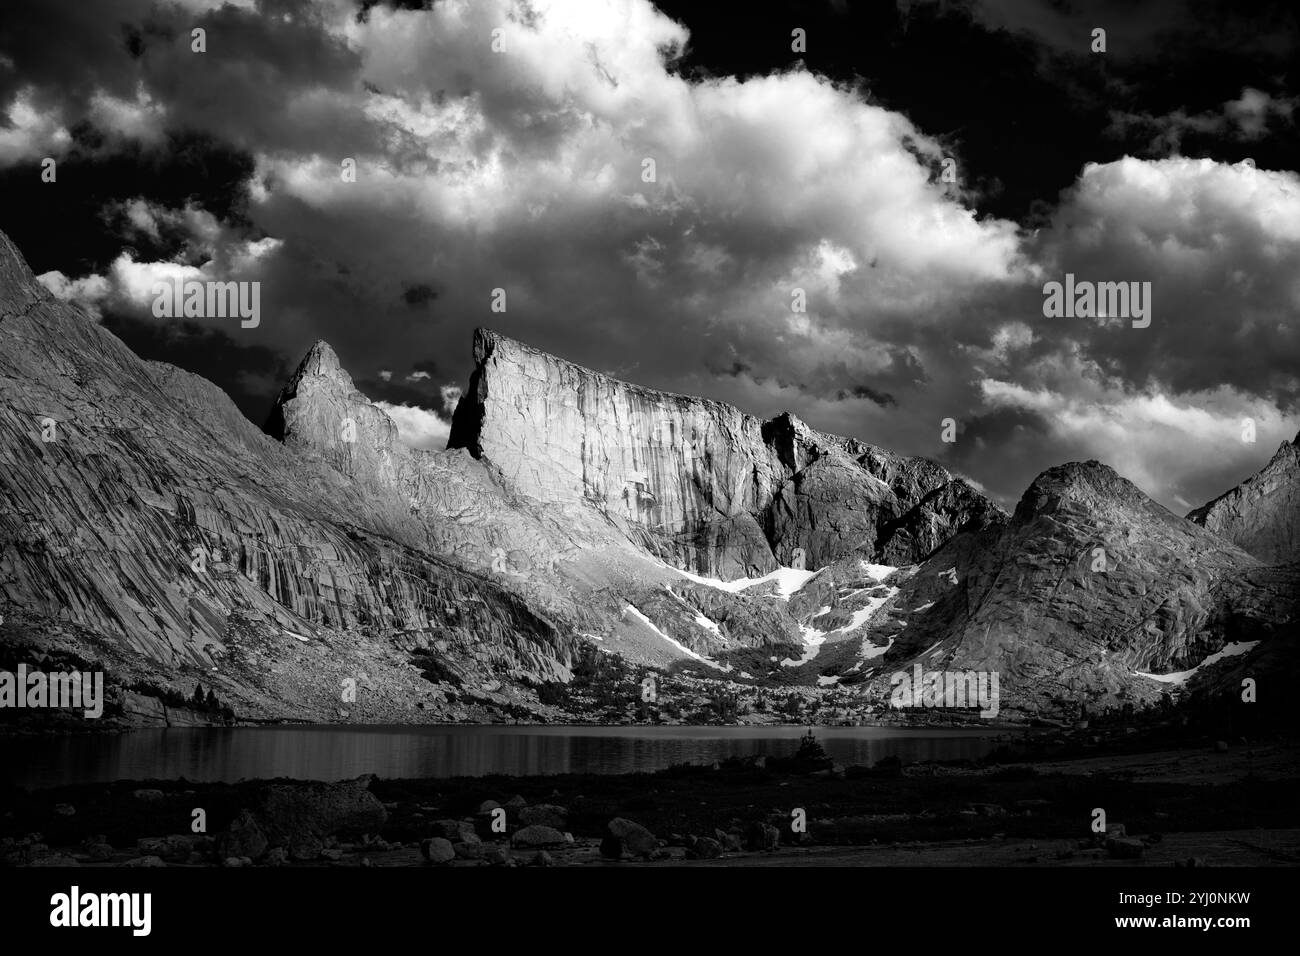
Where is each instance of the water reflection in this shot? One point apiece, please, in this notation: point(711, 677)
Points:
point(334, 753)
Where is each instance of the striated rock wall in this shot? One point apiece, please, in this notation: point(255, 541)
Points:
point(702, 484)
point(138, 504)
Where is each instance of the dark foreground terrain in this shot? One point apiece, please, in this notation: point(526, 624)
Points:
point(1188, 803)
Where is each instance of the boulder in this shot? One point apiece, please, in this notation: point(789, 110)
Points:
point(544, 814)
point(762, 836)
point(537, 835)
point(705, 848)
point(302, 816)
point(457, 831)
point(437, 850)
point(244, 837)
point(731, 842)
point(626, 837)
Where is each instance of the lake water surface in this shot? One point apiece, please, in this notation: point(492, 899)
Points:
point(334, 753)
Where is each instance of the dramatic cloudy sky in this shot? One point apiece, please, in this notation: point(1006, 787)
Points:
point(1170, 158)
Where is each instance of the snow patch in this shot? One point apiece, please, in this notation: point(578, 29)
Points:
point(813, 639)
point(870, 651)
point(1181, 677)
point(878, 572)
point(708, 625)
point(675, 643)
point(788, 581)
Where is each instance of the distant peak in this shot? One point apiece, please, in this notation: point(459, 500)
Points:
point(1088, 481)
point(320, 359)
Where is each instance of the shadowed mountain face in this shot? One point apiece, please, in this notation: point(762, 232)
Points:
point(1262, 514)
point(1088, 587)
point(149, 530)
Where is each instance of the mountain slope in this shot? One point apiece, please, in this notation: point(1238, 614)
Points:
point(1262, 514)
point(159, 535)
point(1088, 586)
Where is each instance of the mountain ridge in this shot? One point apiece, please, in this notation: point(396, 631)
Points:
point(162, 536)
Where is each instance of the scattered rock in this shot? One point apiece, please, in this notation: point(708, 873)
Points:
point(302, 817)
point(65, 809)
point(1125, 848)
point(543, 859)
point(148, 794)
point(145, 861)
point(468, 851)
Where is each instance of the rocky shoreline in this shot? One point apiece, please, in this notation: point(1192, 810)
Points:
point(1198, 803)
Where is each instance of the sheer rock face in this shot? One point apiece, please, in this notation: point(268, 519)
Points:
point(1088, 583)
point(145, 524)
point(699, 482)
point(1262, 514)
point(320, 408)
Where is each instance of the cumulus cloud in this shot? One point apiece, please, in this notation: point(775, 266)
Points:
point(778, 241)
point(418, 427)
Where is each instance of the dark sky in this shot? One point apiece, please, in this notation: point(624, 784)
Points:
point(775, 171)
